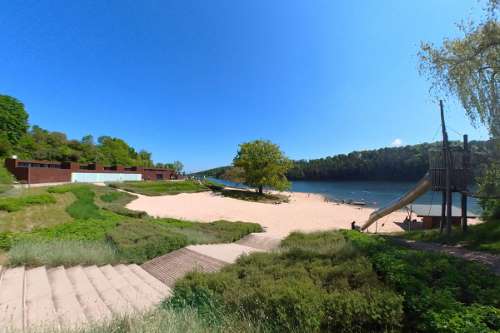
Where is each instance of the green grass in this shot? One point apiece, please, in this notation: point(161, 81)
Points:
point(347, 282)
point(249, 195)
point(153, 188)
point(96, 215)
point(84, 206)
point(163, 320)
point(14, 204)
point(140, 240)
point(6, 178)
point(61, 252)
point(114, 201)
point(480, 237)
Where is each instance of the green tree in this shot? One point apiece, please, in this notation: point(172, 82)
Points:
point(263, 164)
point(468, 68)
point(178, 166)
point(13, 121)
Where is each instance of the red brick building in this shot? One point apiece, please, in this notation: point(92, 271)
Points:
point(36, 172)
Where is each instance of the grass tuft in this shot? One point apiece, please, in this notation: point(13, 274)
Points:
point(61, 252)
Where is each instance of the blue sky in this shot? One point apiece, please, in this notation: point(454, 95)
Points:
point(190, 80)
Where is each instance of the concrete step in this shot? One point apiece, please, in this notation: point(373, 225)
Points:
point(110, 296)
point(154, 283)
point(39, 309)
point(134, 297)
point(11, 299)
point(69, 310)
point(228, 253)
point(140, 285)
point(259, 241)
point(174, 265)
point(93, 306)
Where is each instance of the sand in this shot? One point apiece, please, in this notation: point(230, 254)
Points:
point(305, 212)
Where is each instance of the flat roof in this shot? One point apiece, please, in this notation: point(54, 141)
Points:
point(434, 210)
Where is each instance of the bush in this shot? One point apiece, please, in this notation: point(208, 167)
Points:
point(5, 240)
point(306, 287)
point(120, 210)
point(61, 252)
point(434, 285)
point(138, 241)
point(13, 204)
point(489, 188)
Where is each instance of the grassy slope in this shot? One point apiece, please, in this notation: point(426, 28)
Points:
point(6, 178)
point(480, 237)
point(92, 217)
point(347, 282)
point(153, 188)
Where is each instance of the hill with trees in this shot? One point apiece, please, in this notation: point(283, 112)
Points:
point(34, 142)
point(392, 164)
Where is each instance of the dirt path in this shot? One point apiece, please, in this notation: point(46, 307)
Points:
point(488, 259)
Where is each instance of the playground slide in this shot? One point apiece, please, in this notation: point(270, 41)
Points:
point(422, 186)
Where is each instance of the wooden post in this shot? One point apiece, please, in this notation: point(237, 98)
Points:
point(443, 213)
point(465, 166)
point(448, 166)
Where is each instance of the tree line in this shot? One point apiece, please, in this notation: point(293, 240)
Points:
point(18, 138)
point(406, 163)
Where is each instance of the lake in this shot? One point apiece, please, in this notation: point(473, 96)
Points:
point(374, 193)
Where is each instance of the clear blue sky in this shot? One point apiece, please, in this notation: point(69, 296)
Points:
point(190, 80)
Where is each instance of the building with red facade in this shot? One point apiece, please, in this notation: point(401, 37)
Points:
point(36, 172)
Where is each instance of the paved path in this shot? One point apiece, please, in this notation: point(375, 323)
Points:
point(488, 259)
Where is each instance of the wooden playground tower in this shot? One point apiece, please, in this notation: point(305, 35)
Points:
point(449, 170)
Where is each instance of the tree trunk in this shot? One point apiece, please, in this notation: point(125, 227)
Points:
point(261, 190)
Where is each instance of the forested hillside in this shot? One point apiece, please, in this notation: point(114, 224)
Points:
point(34, 142)
point(399, 163)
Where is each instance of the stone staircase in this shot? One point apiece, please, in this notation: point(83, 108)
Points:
point(60, 298)
point(66, 298)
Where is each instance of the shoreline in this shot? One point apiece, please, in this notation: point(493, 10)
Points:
point(304, 212)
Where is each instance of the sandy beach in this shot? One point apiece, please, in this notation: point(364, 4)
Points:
point(303, 212)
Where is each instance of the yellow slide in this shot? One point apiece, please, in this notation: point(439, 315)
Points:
point(422, 186)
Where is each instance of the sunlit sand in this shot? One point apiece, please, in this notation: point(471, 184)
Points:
point(304, 212)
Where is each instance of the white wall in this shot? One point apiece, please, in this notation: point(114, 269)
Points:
point(91, 177)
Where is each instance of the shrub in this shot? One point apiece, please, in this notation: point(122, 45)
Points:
point(434, 285)
point(322, 285)
point(13, 204)
point(5, 240)
point(120, 210)
point(61, 252)
point(90, 229)
point(138, 241)
point(363, 310)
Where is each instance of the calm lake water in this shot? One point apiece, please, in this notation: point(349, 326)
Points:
point(374, 193)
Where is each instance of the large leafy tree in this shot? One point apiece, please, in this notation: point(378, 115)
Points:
point(263, 164)
point(469, 68)
point(13, 123)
